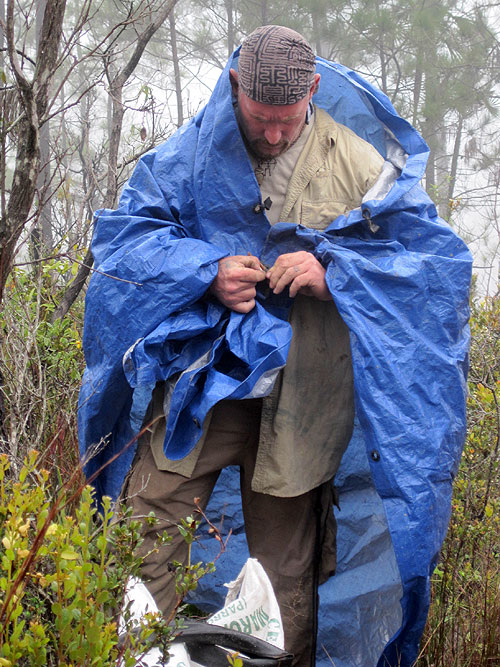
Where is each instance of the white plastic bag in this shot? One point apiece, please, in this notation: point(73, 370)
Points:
point(140, 599)
point(142, 602)
point(251, 606)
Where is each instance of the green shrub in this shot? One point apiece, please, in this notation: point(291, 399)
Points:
point(63, 576)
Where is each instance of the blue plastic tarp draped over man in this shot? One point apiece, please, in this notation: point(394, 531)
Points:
point(398, 274)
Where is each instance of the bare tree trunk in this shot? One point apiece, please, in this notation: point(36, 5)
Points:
point(2, 34)
point(430, 132)
point(383, 66)
point(33, 97)
point(264, 12)
point(43, 239)
point(117, 113)
point(417, 88)
point(43, 183)
point(89, 179)
point(430, 176)
point(177, 72)
point(4, 119)
point(231, 37)
point(315, 18)
point(116, 93)
point(454, 168)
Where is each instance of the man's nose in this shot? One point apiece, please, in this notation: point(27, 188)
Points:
point(272, 134)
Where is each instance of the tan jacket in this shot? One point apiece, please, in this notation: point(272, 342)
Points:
point(307, 421)
point(333, 173)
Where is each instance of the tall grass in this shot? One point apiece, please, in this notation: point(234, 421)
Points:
point(41, 364)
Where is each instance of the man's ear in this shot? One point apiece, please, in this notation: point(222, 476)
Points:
point(233, 77)
point(315, 85)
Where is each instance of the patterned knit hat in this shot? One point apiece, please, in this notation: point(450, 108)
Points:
point(276, 65)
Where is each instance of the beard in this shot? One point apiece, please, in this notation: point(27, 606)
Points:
point(263, 150)
point(259, 147)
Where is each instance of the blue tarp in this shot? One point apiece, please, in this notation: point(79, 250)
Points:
point(400, 278)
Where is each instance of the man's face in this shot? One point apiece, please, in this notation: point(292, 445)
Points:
point(270, 129)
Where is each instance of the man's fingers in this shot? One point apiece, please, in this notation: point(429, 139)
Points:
point(244, 306)
point(281, 278)
point(301, 272)
point(244, 268)
point(240, 292)
point(298, 283)
point(293, 262)
point(250, 275)
point(234, 285)
point(250, 260)
point(242, 300)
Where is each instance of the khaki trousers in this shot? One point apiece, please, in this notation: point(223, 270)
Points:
point(286, 535)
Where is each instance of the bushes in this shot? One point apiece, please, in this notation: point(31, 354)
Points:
point(41, 364)
point(63, 576)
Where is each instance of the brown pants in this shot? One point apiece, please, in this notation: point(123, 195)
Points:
point(289, 546)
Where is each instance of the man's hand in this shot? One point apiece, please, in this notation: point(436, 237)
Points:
point(235, 282)
point(302, 272)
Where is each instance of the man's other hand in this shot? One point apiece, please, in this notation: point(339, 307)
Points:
point(235, 282)
point(303, 274)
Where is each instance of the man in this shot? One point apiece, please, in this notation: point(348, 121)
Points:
point(289, 458)
point(208, 286)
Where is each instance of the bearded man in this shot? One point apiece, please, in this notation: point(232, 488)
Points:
point(230, 241)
